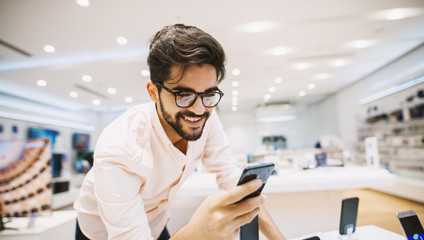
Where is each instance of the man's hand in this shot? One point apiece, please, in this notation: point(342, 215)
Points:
point(220, 216)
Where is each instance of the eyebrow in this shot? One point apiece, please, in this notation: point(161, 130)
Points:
point(180, 88)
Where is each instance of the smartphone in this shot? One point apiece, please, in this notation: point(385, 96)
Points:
point(312, 238)
point(411, 225)
point(348, 215)
point(250, 231)
point(261, 171)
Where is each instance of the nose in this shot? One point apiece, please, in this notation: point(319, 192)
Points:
point(197, 106)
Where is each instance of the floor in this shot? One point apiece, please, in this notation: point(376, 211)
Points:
point(377, 208)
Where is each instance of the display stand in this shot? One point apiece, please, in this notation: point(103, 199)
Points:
point(350, 234)
point(250, 231)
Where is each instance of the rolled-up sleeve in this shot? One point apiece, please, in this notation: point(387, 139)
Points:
point(117, 189)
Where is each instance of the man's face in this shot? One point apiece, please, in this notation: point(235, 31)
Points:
point(189, 122)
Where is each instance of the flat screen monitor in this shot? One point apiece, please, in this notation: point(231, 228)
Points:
point(25, 178)
point(80, 141)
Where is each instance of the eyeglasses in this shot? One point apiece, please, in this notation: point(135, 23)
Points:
point(185, 99)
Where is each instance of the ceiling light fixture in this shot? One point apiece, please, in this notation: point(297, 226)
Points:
point(278, 80)
point(311, 86)
point(42, 83)
point(267, 97)
point(234, 108)
point(49, 48)
point(396, 13)
point(87, 78)
point(83, 3)
point(235, 92)
point(272, 89)
point(145, 73)
point(257, 27)
point(301, 66)
point(111, 90)
point(236, 72)
point(96, 102)
point(322, 76)
point(278, 51)
point(73, 94)
point(128, 99)
point(302, 93)
point(359, 44)
point(122, 41)
point(338, 63)
point(235, 83)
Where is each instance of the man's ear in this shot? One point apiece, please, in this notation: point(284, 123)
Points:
point(153, 91)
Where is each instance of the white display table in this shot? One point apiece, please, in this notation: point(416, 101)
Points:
point(369, 232)
point(299, 201)
point(60, 225)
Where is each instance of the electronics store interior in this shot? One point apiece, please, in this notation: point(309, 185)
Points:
point(331, 93)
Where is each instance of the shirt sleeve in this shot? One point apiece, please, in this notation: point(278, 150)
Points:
point(117, 189)
point(218, 156)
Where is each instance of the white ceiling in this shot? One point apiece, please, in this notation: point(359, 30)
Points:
point(315, 32)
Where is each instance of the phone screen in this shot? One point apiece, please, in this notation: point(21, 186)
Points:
point(261, 171)
point(412, 227)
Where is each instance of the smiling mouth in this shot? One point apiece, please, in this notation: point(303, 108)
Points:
point(192, 119)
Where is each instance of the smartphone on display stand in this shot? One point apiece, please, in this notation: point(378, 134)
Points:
point(348, 216)
point(411, 225)
point(250, 231)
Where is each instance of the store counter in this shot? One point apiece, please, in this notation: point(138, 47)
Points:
point(368, 232)
point(300, 202)
point(59, 224)
point(318, 179)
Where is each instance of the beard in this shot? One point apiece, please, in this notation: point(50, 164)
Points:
point(176, 123)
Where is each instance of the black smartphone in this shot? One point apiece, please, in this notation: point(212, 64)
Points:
point(261, 171)
point(411, 225)
point(348, 215)
point(250, 231)
point(312, 238)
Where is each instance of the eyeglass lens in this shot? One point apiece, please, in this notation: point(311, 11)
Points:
point(185, 99)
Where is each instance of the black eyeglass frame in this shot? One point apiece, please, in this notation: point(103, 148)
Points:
point(196, 95)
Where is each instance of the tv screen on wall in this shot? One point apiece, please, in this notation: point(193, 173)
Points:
point(80, 141)
point(25, 177)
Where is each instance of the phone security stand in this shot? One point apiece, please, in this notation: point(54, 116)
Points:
point(350, 234)
point(250, 231)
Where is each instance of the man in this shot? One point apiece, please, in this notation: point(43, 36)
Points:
point(143, 157)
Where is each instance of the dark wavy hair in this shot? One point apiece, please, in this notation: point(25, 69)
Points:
point(182, 46)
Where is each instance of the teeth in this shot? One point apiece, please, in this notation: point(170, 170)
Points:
point(192, 119)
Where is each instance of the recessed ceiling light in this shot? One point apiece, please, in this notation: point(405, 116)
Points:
point(271, 89)
point(128, 99)
point(111, 90)
point(96, 102)
point(311, 86)
point(338, 63)
point(301, 66)
point(267, 96)
point(235, 92)
point(121, 40)
point(83, 3)
point(236, 72)
point(257, 27)
point(145, 73)
point(322, 76)
point(397, 13)
point(42, 83)
point(363, 43)
point(278, 51)
point(302, 93)
point(73, 94)
point(234, 108)
point(49, 48)
point(235, 84)
point(278, 80)
point(234, 100)
point(87, 78)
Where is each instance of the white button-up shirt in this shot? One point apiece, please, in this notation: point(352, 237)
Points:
point(137, 171)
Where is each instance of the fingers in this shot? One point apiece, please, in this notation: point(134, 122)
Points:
point(246, 218)
point(239, 192)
